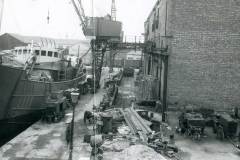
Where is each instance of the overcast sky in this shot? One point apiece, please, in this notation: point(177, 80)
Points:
point(29, 17)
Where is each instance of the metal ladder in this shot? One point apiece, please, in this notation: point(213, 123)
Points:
point(62, 75)
point(97, 63)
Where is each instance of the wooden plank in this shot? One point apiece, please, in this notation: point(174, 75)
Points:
point(18, 95)
point(27, 109)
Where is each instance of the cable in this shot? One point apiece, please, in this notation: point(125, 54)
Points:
point(94, 80)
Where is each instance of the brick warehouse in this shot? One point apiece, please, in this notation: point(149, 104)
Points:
point(194, 50)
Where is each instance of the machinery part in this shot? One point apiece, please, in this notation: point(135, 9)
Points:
point(96, 140)
point(104, 30)
point(88, 116)
point(220, 133)
point(192, 124)
point(98, 51)
point(224, 126)
point(196, 135)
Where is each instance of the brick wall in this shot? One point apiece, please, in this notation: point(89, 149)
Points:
point(204, 61)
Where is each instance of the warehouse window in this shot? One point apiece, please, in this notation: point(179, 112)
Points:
point(43, 53)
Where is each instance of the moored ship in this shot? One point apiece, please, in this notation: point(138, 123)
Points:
point(28, 76)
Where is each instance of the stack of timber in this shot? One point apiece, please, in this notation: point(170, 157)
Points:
point(137, 125)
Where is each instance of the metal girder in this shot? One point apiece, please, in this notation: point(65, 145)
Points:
point(80, 12)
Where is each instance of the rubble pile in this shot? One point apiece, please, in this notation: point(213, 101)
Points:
point(117, 145)
point(134, 152)
point(124, 130)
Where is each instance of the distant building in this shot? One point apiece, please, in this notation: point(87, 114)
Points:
point(11, 40)
point(194, 51)
point(7, 41)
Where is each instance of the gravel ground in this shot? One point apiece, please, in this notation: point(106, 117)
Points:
point(209, 148)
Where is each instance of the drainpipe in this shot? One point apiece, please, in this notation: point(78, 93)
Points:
point(165, 76)
point(165, 61)
point(160, 76)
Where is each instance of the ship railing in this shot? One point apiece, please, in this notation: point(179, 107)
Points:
point(10, 60)
point(63, 85)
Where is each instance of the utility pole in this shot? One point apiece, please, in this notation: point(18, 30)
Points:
point(1, 13)
point(113, 11)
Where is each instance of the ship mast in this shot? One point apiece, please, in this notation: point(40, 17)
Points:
point(1, 13)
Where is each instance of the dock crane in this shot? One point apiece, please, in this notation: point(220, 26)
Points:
point(77, 4)
point(113, 11)
point(104, 31)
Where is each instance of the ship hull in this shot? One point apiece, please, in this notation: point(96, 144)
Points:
point(22, 100)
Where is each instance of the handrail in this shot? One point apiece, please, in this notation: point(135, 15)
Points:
point(66, 81)
point(6, 57)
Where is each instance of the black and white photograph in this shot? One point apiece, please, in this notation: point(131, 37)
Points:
point(119, 79)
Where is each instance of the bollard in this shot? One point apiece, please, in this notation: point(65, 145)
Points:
point(171, 137)
point(107, 123)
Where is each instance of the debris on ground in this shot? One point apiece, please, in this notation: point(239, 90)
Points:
point(116, 114)
point(134, 152)
point(124, 130)
point(117, 145)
